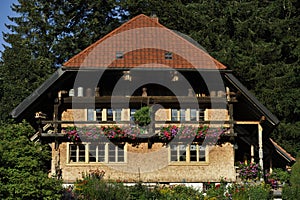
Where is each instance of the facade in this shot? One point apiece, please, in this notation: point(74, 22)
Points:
point(202, 120)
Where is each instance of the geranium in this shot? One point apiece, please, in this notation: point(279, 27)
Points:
point(185, 132)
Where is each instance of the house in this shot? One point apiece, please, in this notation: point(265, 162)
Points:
point(203, 120)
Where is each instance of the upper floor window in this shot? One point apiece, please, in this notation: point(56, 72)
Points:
point(193, 115)
point(118, 115)
point(174, 115)
point(182, 115)
point(104, 114)
point(177, 114)
point(109, 115)
point(132, 112)
point(90, 115)
point(98, 114)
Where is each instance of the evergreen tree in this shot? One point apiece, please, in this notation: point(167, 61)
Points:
point(23, 169)
point(45, 35)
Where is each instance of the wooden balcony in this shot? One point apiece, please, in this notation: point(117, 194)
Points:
point(137, 101)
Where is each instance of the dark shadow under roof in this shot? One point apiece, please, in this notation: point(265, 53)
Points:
point(252, 99)
point(15, 113)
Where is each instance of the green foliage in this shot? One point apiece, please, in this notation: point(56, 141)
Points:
point(44, 35)
point(23, 169)
point(292, 191)
point(280, 175)
point(142, 116)
point(295, 181)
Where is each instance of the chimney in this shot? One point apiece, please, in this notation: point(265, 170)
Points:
point(154, 17)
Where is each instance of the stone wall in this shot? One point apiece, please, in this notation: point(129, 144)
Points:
point(153, 166)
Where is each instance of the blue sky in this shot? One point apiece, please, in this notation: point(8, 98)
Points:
point(5, 11)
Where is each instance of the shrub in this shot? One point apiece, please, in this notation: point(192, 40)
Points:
point(292, 191)
point(142, 116)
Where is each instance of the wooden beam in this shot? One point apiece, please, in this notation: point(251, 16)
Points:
point(247, 122)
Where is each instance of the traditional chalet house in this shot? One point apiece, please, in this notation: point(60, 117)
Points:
point(94, 112)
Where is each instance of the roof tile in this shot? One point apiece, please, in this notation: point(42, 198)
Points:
point(144, 43)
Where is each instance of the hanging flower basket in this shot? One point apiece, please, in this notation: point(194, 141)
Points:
point(188, 132)
point(133, 133)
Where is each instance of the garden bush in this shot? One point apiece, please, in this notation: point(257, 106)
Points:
point(292, 191)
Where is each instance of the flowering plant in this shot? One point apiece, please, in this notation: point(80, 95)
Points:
point(249, 171)
point(183, 132)
point(112, 132)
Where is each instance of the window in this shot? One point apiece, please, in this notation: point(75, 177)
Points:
point(77, 153)
point(119, 55)
point(197, 153)
point(90, 115)
point(193, 115)
point(115, 153)
point(178, 152)
point(132, 111)
point(99, 114)
point(97, 152)
point(118, 114)
point(201, 115)
point(187, 153)
point(109, 115)
point(174, 115)
point(182, 115)
point(168, 55)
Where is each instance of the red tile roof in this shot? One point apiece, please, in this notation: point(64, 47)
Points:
point(143, 43)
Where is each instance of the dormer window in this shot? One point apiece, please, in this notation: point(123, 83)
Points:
point(119, 55)
point(168, 55)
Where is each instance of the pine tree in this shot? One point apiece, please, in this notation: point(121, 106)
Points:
point(45, 35)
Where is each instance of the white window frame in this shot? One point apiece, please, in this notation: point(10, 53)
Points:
point(199, 148)
point(87, 156)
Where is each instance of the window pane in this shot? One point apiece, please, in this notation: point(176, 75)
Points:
point(182, 152)
point(182, 114)
point(121, 153)
point(111, 153)
point(101, 152)
point(173, 152)
point(202, 153)
point(201, 115)
point(193, 152)
point(174, 115)
point(193, 115)
point(92, 152)
point(99, 114)
point(81, 153)
point(90, 115)
point(132, 111)
point(118, 114)
point(73, 148)
point(109, 115)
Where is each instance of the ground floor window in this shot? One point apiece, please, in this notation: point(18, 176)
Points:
point(187, 152)
point(96, 152)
